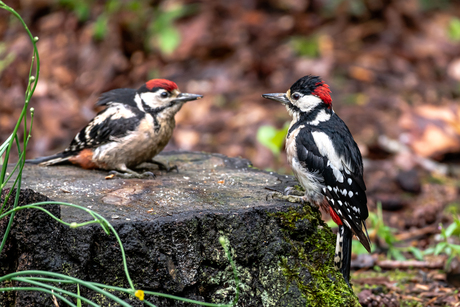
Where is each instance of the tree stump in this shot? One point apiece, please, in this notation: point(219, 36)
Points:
point(170, 227)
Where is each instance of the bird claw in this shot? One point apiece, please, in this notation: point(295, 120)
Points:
point(290, 198)
point(293, 191)
point(270, 195)
point(165, 167)
point(129, 175)
point(171, 168)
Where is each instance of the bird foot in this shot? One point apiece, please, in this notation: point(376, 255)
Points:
point(164, 167)
point(168, 168)
point(290, 198)
point(133, 174)
point(293, 191)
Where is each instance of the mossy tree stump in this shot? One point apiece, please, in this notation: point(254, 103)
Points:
point(170, 227)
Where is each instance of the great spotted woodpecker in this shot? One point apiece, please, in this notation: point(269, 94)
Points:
point(327, 162)
point(133, 128)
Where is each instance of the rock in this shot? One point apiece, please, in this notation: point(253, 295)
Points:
point(409, 181)
point(170, 228)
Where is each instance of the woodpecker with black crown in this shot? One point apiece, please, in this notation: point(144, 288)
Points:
point(133, 128)
point(327, 163)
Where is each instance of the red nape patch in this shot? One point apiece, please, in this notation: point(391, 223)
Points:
point(323, 92)
point(162, 83)
point(335, 217)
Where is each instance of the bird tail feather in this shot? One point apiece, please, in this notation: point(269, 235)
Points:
point(342, 259)
point(50, 160)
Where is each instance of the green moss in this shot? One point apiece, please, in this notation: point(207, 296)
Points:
point(313, 273)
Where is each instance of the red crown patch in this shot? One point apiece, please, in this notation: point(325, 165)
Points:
point(161, 83)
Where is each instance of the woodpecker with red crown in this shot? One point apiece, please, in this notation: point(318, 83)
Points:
point(327, 163)
point(133, 128)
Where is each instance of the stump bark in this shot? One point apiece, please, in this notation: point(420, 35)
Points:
point(170, 227)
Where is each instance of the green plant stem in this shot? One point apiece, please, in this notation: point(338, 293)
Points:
point(104, 223)
point(32, 83)
point(59, 290)
point(99, 219)
point(29, 92)
point(235, 274)
point(40, 290)
point(10, 222)
point(86, 284)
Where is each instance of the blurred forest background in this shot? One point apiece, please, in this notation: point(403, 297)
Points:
point(393, 67)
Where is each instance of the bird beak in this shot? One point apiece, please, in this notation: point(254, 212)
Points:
point(184, 97)
point(280, 97)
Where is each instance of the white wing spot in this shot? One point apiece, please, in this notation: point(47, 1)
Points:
point(340, 203)
point(344, 192)
point(350, 194)
point(349, 181)
point(329, 188)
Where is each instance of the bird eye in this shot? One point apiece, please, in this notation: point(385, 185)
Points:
point(164, 95)
point(296, 96)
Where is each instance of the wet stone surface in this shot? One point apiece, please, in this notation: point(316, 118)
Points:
point(170, 227)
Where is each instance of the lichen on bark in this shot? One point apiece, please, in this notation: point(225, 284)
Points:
point(313, 273)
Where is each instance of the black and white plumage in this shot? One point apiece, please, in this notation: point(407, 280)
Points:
point(327, 162)
point(133, 128)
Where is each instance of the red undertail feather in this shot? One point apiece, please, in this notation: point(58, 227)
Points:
point(323, 92)
point(84, 159)
point(335, 217)
point(162, 83)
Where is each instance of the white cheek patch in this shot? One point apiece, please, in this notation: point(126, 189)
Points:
point(152, 99)
point(308, 103)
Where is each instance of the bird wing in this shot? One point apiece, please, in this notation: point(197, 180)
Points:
point(116, 121)
point(119, 95)
point(344, 186)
